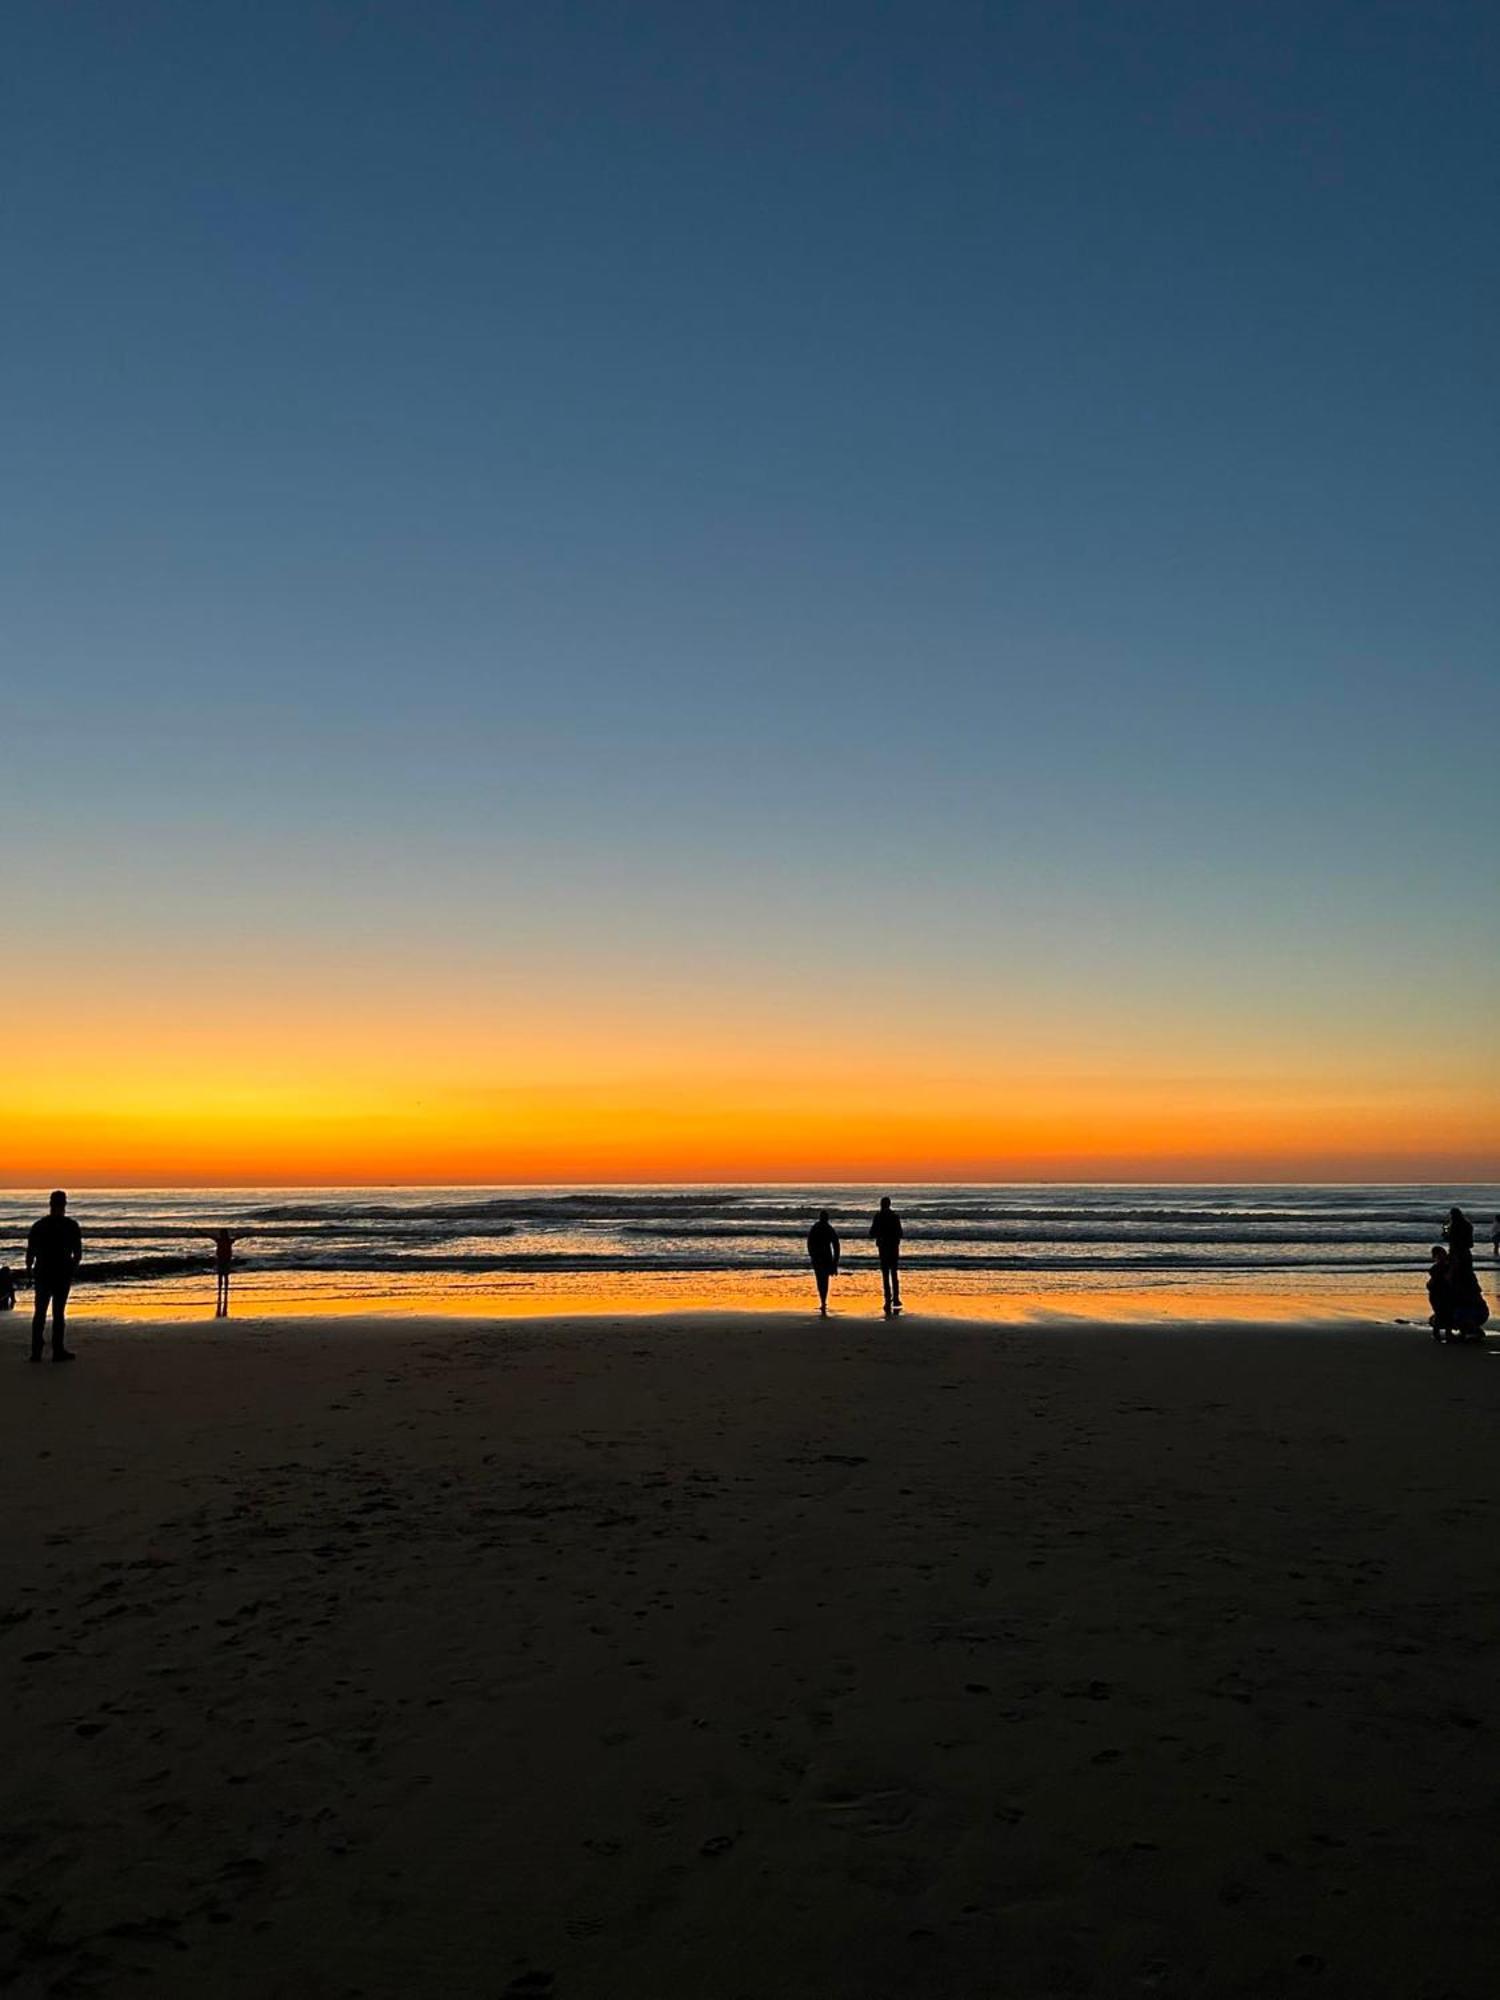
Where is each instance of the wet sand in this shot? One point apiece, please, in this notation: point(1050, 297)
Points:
point(749, 1658)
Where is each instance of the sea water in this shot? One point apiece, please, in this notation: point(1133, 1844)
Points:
point(1026, 1251)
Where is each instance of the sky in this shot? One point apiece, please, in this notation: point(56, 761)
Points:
point(749, 592)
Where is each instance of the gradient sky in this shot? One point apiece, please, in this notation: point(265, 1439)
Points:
point(749, 591)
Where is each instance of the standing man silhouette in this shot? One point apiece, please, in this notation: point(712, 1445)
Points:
point(54, 1250)
point(823, 1249)
point(886, 1230)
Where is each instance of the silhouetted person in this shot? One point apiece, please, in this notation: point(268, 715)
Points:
point(223, 1244)
point(54, 1250)
point(1468, 1308)
point(1495, 1236)
point(1438, 1295)
point(1458, 1234)
point(823, 1249)
point(7, 1289)
point(886, 1230)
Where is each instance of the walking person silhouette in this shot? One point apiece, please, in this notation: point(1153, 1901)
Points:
point(54, 1250)
point(886, 1230)
point(823, 1249)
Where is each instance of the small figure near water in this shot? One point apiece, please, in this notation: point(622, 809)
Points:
point(823, 1248)
point(223, 1243)
point(1437, 1293)
point(7, 1289)
point(54, 1250)
point(886, 1230)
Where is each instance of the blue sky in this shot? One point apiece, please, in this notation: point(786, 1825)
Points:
point(1022, 469)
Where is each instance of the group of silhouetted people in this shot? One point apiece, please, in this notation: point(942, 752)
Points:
point(824, 1250)
point(1460, 1310)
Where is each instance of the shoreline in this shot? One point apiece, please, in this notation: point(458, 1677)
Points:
point(393, 1325)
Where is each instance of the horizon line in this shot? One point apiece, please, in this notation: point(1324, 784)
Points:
point(361, 1187)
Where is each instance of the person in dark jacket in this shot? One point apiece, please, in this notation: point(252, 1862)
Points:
point(54, 1250)
point(823, 1249)
point(886, 1230)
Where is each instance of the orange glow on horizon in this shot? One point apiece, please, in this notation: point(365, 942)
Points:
point(697, 1127)
point(360, 1083)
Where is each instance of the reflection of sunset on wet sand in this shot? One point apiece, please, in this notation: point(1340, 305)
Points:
point(704, 1296)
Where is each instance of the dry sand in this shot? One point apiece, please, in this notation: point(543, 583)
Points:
point(724, 1658)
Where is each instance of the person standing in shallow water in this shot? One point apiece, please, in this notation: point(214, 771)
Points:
point(54, 1250)
point(886, 1230)
point(823, 1249)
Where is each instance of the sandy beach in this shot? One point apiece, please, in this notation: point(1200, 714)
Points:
point(743, 1658)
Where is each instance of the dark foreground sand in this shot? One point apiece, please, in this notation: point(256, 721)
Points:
point(719, 1658)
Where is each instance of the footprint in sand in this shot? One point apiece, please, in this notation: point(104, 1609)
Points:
point(870, 1814)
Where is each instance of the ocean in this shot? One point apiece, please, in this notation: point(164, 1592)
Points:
point(1029, 1251)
